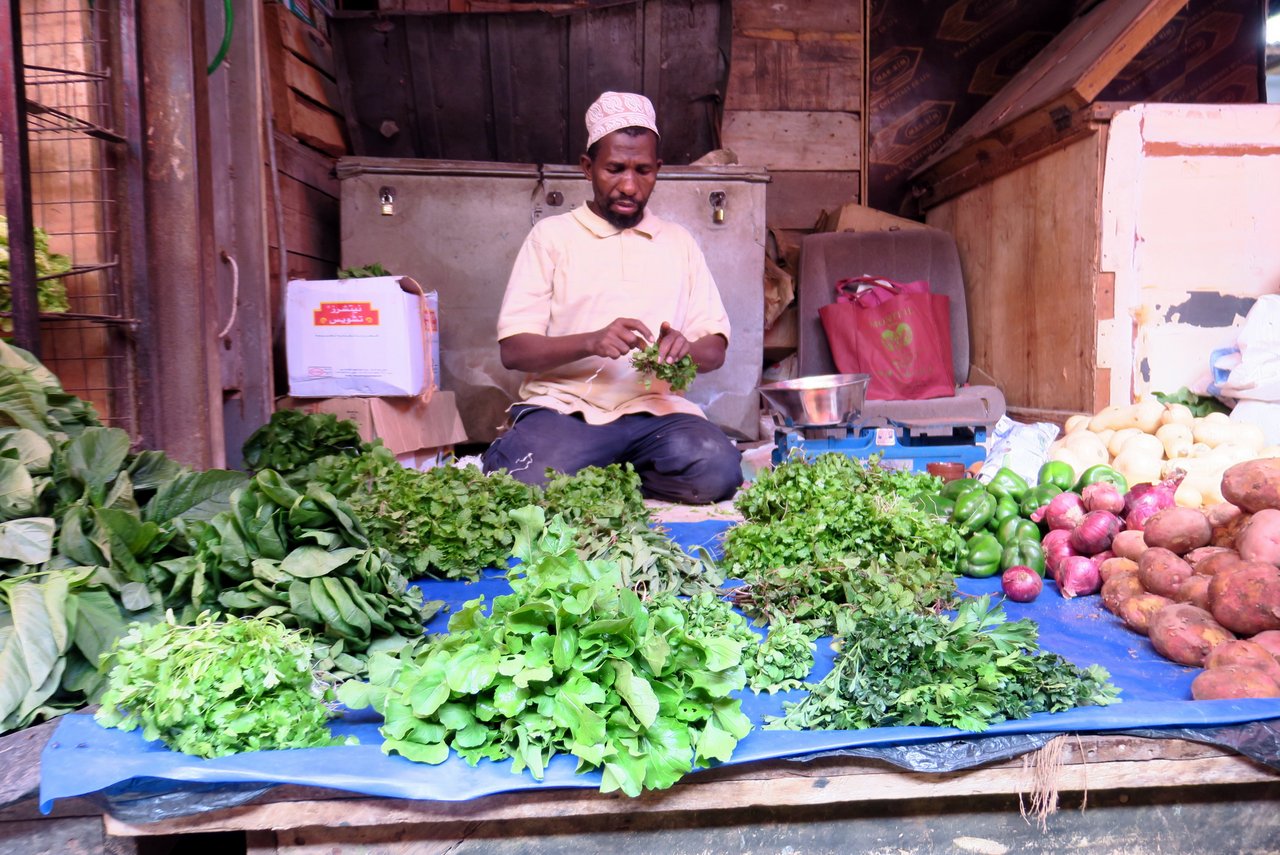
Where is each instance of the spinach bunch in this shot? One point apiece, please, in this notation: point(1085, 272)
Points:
point(447, 522)
point(216, 687)
point(571, 661)
point(905, 668)
point(291, 439)
point(783, 659)
point(299, 557)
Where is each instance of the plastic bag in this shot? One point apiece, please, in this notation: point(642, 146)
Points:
point(1257, 376)
point(1023, 448)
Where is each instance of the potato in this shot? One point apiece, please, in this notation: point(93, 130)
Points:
point(1259, 538)
point(1176, 440)
point(1129, 544)
point(1200, 553)
point(1137, 611)
point(1269, 640)
point(1186, 634)
point(1179, 530)
point(1234, 681)
point(1244, 652)
point(1162, 572)
point(1119, 588)
point(1118, 438)
point(1246, 600)
point(1116, 566)
point(1080, 421)
point(1194, 591)
point(1219, 562)
point(1253, 485)
point(1177, 414)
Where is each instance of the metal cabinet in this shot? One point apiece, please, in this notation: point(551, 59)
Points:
point(456, 226)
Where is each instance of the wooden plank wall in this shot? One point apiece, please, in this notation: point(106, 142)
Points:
point(1029, 246)
point(309, 133)
point(794, 103)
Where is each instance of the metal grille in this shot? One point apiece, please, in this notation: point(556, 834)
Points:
point(75, 150)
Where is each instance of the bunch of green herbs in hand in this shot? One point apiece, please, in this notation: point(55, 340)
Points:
point(679, 374)
point(569, 662)
point(904, 668)
point(217, 687)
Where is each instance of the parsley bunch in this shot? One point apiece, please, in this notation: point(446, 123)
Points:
point(903, 668)
point(216, 687)
point(679, 374)
point(569, 662)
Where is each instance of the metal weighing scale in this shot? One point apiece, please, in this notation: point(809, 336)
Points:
point(816, 415)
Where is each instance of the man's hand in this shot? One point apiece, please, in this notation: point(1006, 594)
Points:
point(672, 345)
point(620, 337)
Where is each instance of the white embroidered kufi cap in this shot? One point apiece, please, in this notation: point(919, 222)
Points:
point(616, 110)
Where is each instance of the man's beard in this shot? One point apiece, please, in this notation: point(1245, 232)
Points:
point(623, 221)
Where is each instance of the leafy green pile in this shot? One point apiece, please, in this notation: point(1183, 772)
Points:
point(815, 597)
point(449, 522)
point(606, 507)
point(1199, 405)
point(903, 668)
point(679, 374)
point(292, 439)
point(569, 662)
point(297, 556)
point(216, 687)
point(51, 294)
point(783, 660)
point(804, 514)
point(367, 272)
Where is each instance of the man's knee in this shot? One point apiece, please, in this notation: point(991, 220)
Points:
point(706, 463)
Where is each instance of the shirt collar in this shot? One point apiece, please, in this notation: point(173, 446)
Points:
point(649, 226)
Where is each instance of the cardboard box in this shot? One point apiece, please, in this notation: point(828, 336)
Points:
point(417, 430)
point(859, 218)
point(371, 337)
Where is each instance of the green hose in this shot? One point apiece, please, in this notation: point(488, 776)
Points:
point(229, 16)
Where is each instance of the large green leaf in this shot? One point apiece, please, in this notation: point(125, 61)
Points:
point(22, 401)
point(33, 631)
point(95, 458)
point(17, 490)
point(150, 470)
point(29, 448)
point(308, 562)
point(98, 623)
point(14, 681)
point(27, 541)
point(195, 495)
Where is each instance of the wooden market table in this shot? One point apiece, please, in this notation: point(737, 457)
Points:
point(1137, 794)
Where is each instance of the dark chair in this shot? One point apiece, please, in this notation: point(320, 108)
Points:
point(903, 255)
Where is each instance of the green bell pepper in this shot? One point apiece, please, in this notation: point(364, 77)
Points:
point(1028, 553)
point(1017, 528)
point(1058, 473)
point(936, 504)
point(1038, 497)
point(982, 556)
point(1006, 508)
point(1006, 482)
point(956, 488)
point(1102, 472)
point(973, 510)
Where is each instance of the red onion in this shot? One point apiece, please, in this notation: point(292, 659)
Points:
point(1102, 496)
point(1078, 577)
point(1143, 501)
point(1063, 511)
point(1094, 533)
point(1021, 584)
point(1057, 546)
point(1100, 557)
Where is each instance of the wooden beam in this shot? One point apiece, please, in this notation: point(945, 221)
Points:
point(796, 141)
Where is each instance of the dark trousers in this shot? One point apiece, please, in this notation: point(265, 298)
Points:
point(680, 458)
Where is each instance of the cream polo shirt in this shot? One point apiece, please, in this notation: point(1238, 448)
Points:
point(576, 273)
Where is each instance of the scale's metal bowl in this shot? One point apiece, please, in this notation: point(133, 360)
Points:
point(825, 400)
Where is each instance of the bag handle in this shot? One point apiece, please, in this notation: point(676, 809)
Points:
point(847, 290)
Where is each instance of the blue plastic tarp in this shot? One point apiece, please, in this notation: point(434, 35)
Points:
point(83, 758)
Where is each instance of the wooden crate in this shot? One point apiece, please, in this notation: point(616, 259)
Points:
point(304, 92)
